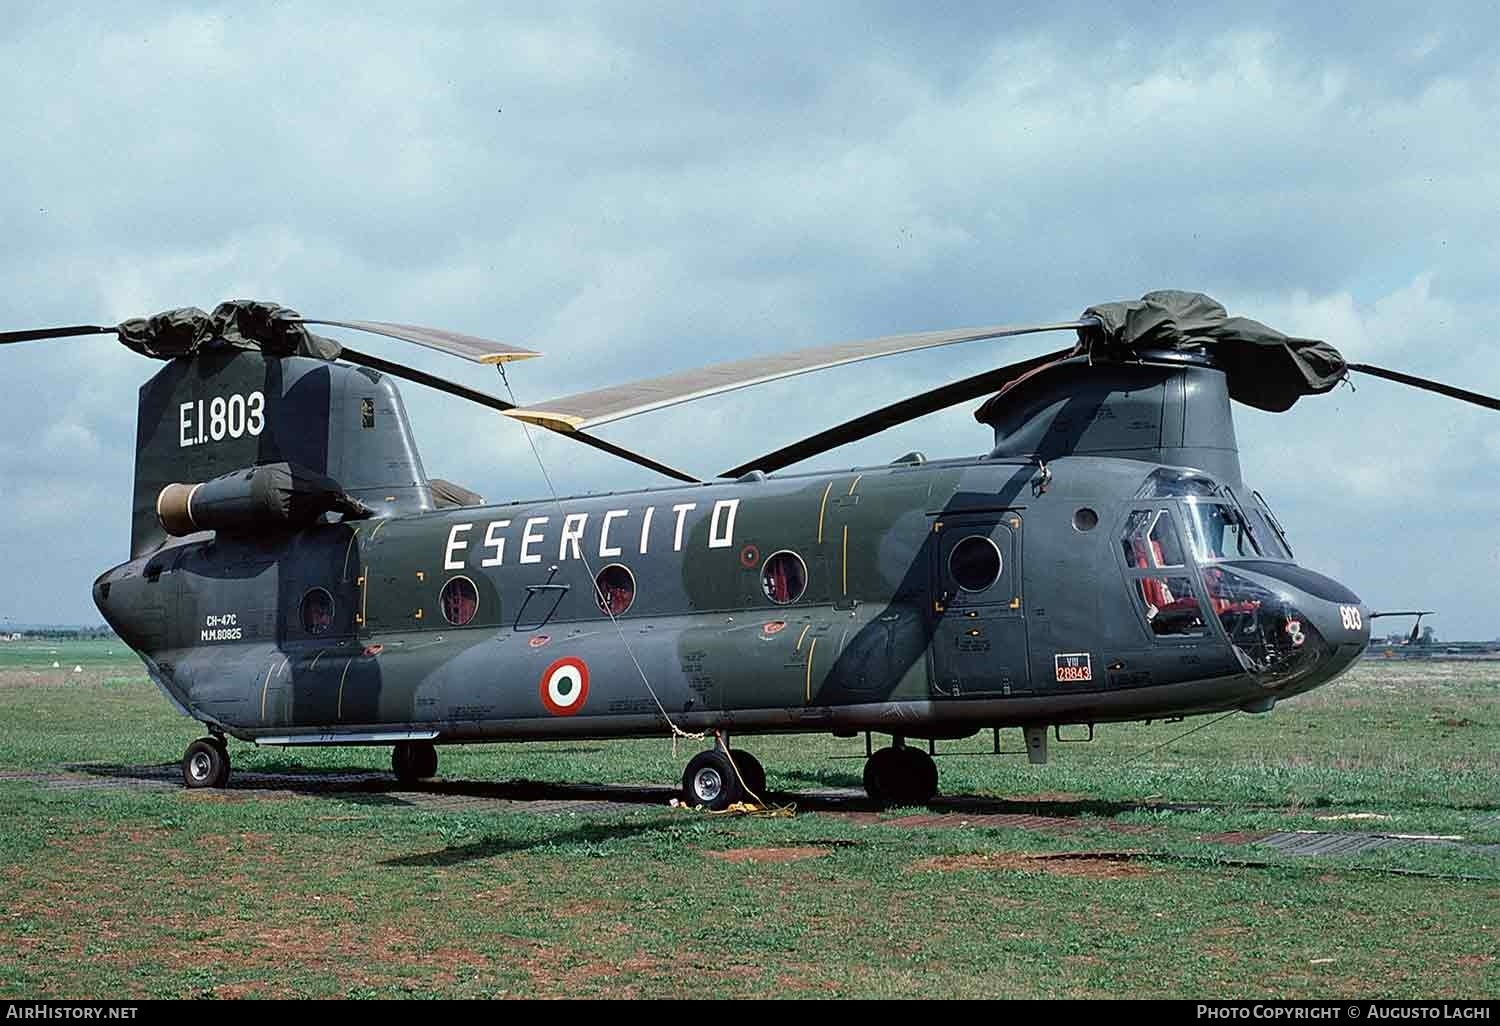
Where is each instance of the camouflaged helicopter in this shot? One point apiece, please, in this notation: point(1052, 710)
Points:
point(296, 578)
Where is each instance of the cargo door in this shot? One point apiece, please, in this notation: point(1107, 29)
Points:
point(979, 623)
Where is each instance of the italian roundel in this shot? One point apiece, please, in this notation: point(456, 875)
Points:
point(565, 686)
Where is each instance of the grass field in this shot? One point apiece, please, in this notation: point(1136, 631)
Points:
point(39, 655)
point(112, 892)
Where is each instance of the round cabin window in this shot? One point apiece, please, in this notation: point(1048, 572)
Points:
point(614, 589)
point(1085, 519)
point(784, 578)
point(459, 601)
point(975, 563)
point(317, 611)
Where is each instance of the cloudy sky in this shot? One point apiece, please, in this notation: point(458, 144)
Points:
point(634, 188)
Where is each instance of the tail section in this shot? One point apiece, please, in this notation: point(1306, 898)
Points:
point(249, 388)
point(219, 410)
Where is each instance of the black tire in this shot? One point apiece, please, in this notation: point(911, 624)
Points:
point(206, 764)
point(424, 759)
point(901, 776)
point(709, 781)
point(883, 775)
point(413, 761)
point(752, 773)
point(922, 776)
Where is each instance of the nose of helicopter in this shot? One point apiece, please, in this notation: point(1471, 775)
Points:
point(1342, 630)
point(1292, 628)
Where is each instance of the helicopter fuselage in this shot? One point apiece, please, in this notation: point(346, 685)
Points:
point(922, 599)
point(297, 577)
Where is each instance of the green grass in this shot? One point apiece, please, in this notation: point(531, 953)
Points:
point(177, 894)
point(68, 654)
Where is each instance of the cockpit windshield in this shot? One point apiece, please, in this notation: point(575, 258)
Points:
point(1218, 530)
point(1218, 525)
point(1274, 538)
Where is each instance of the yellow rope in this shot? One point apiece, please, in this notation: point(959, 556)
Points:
point(758, 807)
point(677, 732)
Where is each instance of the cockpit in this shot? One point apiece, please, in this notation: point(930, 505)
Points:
point(1197, 560)
point(1218, 530)
point(1219, 525)
point(1159, 572)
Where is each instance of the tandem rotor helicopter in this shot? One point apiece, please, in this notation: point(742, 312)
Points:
point(296, 578)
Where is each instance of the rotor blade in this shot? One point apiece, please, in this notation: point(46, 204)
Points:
point(587, 409)
point(396, 370)
point(897, 413)
point(480, 350)
point(1408, 612)
point(37, 334)
point(1488, 402)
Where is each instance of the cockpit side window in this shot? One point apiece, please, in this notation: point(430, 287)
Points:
point(1167, 599)
point(1150, 542)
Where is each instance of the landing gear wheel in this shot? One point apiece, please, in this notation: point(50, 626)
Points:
point(752, 773)
point(883, 775)
point(206, 764)
point(710, 781)
point(923, 775)
point(412, 761)
point(901, 776)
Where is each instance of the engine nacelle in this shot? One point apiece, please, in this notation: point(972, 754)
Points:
point(271, 497)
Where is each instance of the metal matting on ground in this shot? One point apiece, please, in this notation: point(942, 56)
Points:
point(1315, 844)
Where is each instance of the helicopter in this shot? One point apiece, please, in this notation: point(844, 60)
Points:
point(296, 578)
